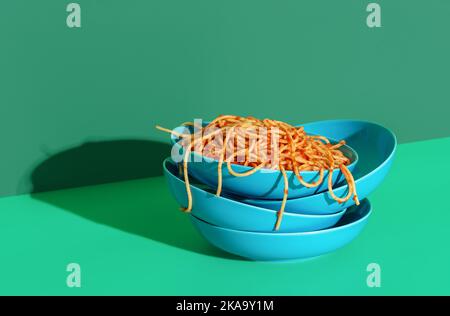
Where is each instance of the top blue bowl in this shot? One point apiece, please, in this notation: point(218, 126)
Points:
point(265, 183)
point(376, 147)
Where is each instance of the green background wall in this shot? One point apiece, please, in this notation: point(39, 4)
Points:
point(78, 106)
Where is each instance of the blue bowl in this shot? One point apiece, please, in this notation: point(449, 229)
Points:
point(376, 147)
point(227, 213)
point(287, 246)
point(265, 183)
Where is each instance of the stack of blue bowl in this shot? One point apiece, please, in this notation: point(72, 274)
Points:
point(241, 221)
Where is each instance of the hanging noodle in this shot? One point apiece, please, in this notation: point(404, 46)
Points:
point(233, 140)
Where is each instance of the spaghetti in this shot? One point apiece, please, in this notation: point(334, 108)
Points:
point(268, 144)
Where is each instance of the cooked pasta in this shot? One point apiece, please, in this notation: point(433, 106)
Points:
point(268, 144)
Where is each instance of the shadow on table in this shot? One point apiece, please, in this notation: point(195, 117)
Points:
point(142, 207)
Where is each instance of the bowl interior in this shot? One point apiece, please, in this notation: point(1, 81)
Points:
point(374, 143)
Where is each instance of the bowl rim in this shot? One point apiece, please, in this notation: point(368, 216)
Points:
point(316, 232)
point(241, 168)
point(258, 208)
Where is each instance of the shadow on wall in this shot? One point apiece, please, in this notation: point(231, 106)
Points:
point(143, 207)
point(100, 162)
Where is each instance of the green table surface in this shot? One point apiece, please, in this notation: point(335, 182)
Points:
point(130, 238)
